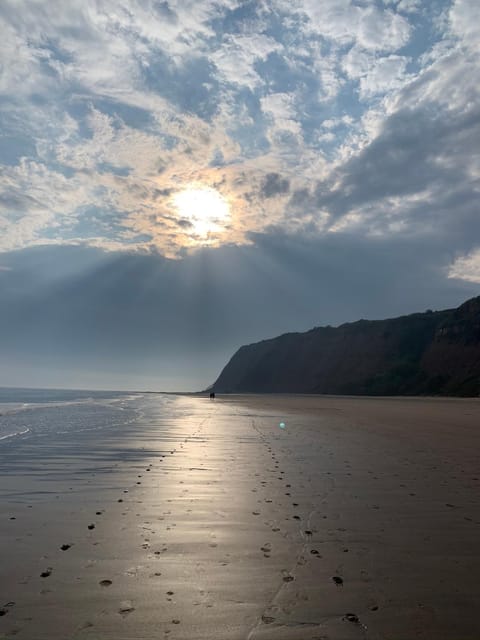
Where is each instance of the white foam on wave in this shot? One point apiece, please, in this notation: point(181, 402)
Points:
point(15, 434)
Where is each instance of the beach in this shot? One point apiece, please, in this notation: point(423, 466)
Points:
point(247, 517)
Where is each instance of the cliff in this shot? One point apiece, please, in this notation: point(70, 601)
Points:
point(432, 353)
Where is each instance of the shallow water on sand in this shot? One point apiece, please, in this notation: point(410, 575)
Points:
point(29, 413)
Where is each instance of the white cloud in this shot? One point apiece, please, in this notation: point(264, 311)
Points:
point(347, 23)
point(280, 105)
point(282, 110)
point(387, 74)
point(237, 55)
point(409, 6)
point(38, 198)
point(383, 30)
point(466, 267)
point(465, 22)
point(375, 74)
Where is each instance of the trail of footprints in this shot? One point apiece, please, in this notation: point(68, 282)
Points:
point(305, 535)
point(126, 607)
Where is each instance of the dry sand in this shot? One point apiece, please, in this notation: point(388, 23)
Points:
point(359, 519)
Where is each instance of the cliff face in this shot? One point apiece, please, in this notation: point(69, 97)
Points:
point(432, 353)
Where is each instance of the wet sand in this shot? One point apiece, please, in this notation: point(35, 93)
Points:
point(359, 519)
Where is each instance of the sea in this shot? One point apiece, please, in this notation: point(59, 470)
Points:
point(29, 413)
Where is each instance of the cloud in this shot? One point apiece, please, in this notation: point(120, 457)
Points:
point(274, 185)
point(361, 114)
point(349, 23)
point(156, 317)
point(375, 75)
point(465, 23)
point(412, 176)
point(466, 267)
point(236, 57)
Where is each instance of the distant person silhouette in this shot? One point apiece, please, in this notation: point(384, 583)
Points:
point(212, 395)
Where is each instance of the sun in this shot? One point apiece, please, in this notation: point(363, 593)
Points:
point(205, 208)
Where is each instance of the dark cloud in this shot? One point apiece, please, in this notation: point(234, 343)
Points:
point(420, 150)
point(299, 198)
point(103, 311)
point(161, 193)
point(274, 185)
point(183, 222)
point(16, 201)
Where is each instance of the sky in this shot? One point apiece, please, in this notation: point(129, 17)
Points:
point(181, 177)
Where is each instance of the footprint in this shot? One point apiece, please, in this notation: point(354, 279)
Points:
point(268, 619)
point(105, 583)
point(352, 617)
point(126, 607)
point(256, 513)
point(46, 573)
point(91, 526)
point(288, 578)
point(337, 580)
point(86, 625)
point(65, 547)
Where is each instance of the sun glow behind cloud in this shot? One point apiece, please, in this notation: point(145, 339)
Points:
point(205, 209)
